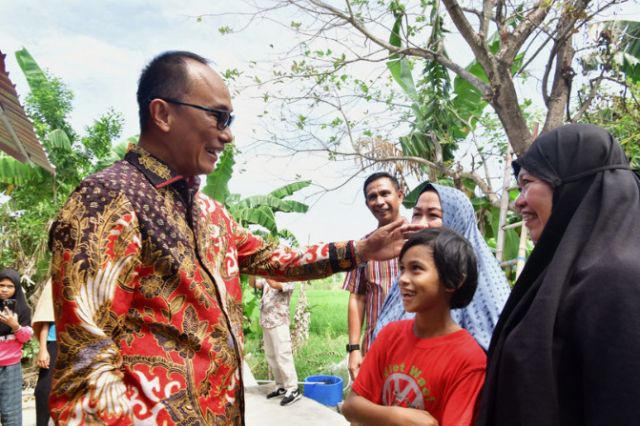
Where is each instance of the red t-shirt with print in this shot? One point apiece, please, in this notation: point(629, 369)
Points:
point(442, 375)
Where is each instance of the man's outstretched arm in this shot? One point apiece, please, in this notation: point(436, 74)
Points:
point(320, 260)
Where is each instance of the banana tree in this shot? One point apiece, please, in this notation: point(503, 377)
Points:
point(257, 209)
point(35, 196)
point(254, 210)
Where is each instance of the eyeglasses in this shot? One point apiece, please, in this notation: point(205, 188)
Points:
point(224, 118)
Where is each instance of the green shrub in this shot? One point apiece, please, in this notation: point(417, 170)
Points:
point(327, 335)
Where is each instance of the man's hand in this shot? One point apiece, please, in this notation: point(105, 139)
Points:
point(43, 358)
point(385, 242)
point(355, 361)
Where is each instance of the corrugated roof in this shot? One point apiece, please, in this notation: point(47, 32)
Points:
point(17, 137)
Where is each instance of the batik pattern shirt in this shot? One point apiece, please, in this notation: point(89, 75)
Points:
point(147, 298)
point(372, 280)
point(274, 306)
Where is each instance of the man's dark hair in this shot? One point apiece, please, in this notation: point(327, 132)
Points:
point(380, 175)
point(454, 259)
point(164, 77)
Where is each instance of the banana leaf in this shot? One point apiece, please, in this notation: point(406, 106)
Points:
point(289, 189)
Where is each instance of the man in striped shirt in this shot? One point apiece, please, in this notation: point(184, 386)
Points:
point(369, 283)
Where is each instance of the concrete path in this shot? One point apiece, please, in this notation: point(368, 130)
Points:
point(259, 410)
point(268, 412)
point(28, 408)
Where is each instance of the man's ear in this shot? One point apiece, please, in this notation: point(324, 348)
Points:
point(401, 194)
point(160, 115)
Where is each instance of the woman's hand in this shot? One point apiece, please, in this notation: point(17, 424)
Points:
point(43, 358)
point(9, 318)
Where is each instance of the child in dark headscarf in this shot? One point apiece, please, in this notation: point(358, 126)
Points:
point(566, 348)
point(15, 331)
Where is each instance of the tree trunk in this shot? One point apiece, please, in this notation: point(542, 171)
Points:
point(506, 105)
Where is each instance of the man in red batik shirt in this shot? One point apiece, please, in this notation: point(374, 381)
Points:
point(146, 268)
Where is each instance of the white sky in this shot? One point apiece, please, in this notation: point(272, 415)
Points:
point(98, 49)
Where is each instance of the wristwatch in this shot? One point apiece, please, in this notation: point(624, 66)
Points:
point(352, 347)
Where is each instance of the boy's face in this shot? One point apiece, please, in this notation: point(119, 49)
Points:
point(419, 282)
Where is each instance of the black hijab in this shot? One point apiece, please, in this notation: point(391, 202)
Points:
point(22, 309)
point(566, 350)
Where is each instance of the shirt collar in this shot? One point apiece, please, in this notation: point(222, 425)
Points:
point(157, 171)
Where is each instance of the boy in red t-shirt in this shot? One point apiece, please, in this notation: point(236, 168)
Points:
point(425, 371)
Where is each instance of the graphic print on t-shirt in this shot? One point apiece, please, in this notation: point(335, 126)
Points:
point(404, 389)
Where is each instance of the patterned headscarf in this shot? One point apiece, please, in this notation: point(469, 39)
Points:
point(481, 315)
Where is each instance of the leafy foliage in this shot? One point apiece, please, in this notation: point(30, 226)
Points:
point(252, 211)
point(620, 114)
point(251, 310)
point(419, 113)
point(257, 209)
point(443, 115)
point(324, 349)
point(619, 48)
point(435, 119)
point(35, 196)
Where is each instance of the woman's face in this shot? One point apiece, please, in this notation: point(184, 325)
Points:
point(534, 203)
point(7, 288)
point(428, 210)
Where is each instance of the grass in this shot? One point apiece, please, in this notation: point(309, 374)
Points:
point(324, 348)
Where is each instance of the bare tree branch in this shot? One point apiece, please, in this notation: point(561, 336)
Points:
point(475, 42)
point(511, 43)
point(417, 52)
point(487, 11)
point(446, 171)
point(595, 85)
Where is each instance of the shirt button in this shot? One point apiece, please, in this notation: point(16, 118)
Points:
point(189, 407)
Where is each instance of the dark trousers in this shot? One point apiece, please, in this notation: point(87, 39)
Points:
point(43, 387)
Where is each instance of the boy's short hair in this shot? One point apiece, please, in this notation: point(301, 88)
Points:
point(454, 259)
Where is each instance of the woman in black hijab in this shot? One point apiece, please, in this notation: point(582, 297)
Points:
point(566, 350)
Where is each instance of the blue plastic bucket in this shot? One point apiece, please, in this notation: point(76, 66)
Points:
point(326, 390)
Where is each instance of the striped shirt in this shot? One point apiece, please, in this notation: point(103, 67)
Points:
point(372, 280)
